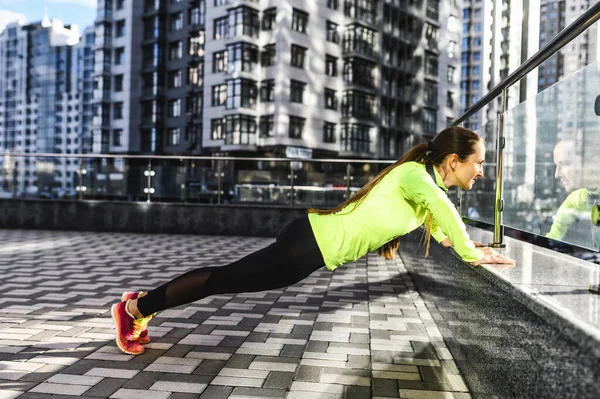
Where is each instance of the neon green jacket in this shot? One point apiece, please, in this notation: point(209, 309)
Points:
point(397, 205)
point(574, 206)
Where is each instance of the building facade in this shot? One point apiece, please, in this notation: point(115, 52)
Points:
point(40, 107)
point(343, 78)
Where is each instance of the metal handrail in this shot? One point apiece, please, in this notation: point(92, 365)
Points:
point(189, 157)
point(587, 19)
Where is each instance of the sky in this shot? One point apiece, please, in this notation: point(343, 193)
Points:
point(79, 12)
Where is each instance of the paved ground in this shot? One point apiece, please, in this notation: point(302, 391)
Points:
point(361, 332)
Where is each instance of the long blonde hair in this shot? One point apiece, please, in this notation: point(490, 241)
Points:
point(452, 140)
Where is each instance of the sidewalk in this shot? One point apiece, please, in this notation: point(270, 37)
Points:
point(360, 332)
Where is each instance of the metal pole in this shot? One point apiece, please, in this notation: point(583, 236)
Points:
point(498, 228)
point(219, 181)
point(348, 169)
point(291, 177)
point(149, 182)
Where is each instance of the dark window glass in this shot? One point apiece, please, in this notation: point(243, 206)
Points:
point(296, 127)
point(299, 20)
point(298, 56)
point(329, 132)
point(297, 91)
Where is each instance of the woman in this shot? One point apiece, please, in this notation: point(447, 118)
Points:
point(394, 203)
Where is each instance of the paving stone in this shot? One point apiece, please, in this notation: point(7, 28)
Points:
point(318, 338)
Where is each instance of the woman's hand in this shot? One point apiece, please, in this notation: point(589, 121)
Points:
point(490, 255)
point(478, 244)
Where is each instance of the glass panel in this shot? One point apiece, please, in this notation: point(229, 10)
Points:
point(262, 181)
point(552, 154)
point(478, 203)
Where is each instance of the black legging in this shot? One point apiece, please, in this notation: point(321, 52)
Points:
point(294, 256)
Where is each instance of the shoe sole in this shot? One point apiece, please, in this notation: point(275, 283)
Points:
point(124, 350)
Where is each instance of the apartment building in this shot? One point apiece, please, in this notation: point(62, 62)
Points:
point(271, 78)
point(40, 107)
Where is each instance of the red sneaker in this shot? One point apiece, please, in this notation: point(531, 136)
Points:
point(144, 338)
point(127, 329)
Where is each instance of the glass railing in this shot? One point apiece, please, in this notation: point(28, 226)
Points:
point(551, 159)
point(214, 180)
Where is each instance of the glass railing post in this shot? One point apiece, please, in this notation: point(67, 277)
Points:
point(81, 188)
point(291, 177)
point(348, 178)
point(15, 176)
point(149, 173)
point(499, 203)
point(219, 181)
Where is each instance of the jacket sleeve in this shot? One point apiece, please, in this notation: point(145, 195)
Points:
point(566, 215)
point(422, 190)
point(436, 232)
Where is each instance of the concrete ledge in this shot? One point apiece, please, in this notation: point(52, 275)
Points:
point(142, 217)
point(551, 284)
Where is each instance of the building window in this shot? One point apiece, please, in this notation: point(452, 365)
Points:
point(328, 132)
point(356, 104)
point(118, 82)
point(176, 22)
point(332, 32)
point(240, 130)
point(477, 41)
point(243, 21)
point(428, 121)
point(477, 56)
point(363, 10)
point(117, 137)
point(196, 44)
point(431, 35)
point(176, 50)
point(355, 138)
point(359, 72)
point(431, 64)
point(221, 28)
point(476, 85)
point(220, 61)
point(241, 57)
point(451, 48)
point(267, 90)
point(299, 20)
point(269, 18)
point(241, 93)
point(196, 75)
point(450, 99)
point(174, 135)
point(174, 108)
point(175, 79)
point(197, 14)
point(476, 70)
point(120, 4)
point(333, 4)
point(296, 127)
point(450, 74)
point(217, 129)
point(298, 56)
point(194, 104)
point(330, 65)
point(330, 99)
point(266, 126)
point(118, 110)
point(120, 56)
point(219, 95)
point(297, 91)
point(268, 55)
point(430, 93)
point(358, 38)
point(120, 28)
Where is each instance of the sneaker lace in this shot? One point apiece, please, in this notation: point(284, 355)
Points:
point(138, 326)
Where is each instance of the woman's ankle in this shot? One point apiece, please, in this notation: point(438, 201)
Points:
point(133, 309)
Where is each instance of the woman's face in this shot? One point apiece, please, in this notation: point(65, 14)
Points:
point(469, 171)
